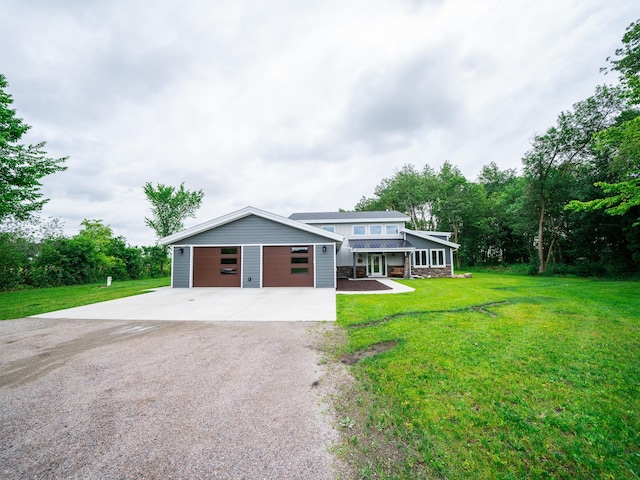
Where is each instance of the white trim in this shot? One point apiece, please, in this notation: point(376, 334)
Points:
point(191, 253)
point(413, 257)
point(397, 232)
point(444, 258)
point(245, 212)
point(426, 235)
point(173, 256)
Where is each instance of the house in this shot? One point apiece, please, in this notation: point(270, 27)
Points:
point(252, 248)
point(377, 244)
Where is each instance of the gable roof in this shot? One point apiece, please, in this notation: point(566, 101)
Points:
point(426, 236)
point(245, 212)
point(349, 217)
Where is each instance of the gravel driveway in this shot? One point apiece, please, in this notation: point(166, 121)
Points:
point(122, 399)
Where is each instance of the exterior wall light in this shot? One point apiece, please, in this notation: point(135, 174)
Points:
point(324, 249)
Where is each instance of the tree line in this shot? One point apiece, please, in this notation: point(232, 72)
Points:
point(575, 207)
point(34, 252)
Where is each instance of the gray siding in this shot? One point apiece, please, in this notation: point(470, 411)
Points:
point(181, 270)
point(324, 266)
point(422, 244)
point(253, 230)
point(251, 266)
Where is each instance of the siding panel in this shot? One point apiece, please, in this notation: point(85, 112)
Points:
point(251, 266)
point(181, 270)
point(325, 267)
point(253, 230)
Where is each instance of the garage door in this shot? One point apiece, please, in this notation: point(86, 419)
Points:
point(216, 266)
point(290, 266)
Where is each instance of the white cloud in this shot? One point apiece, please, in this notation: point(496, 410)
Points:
point(285, 105)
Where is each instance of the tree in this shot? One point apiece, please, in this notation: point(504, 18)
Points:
point(549, 164)
point(623, 139)
point(170, 207)
point(21, 167)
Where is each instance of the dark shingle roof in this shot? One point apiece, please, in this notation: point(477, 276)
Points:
point(392, 215)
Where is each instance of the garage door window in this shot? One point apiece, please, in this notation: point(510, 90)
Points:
point(229, 251)
point(300, 260)
point(299, 249)
point(229, 271)
point(299, 271)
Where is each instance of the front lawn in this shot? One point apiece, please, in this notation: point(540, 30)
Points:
point(24, 303)
point(497, 376)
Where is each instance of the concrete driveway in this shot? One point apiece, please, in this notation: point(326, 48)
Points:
point(213, 304)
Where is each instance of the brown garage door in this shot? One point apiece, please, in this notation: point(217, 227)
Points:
point(216, 266)
point(288, 266)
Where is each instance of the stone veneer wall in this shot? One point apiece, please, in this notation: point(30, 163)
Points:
point(431, 272)
point(347, 272)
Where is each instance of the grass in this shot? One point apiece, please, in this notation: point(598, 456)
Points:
point(24, 303)
point(497, 376)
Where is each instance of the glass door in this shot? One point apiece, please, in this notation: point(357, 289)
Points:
point(376, 265)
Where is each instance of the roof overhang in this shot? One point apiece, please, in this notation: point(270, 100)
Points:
point(387, 245)
point(245, 212)
point(431, 238)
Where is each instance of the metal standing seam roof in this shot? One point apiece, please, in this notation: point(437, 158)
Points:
point(381, 244)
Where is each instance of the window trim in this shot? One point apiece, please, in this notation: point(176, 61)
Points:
point(364, 230)
point(421, 254)
point(437, 251)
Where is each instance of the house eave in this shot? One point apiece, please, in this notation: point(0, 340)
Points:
point(245, 212)
point(426, 236)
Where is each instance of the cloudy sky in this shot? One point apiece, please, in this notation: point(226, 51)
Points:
point(288, 105)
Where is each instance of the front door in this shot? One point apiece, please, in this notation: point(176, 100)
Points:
point(376, 265)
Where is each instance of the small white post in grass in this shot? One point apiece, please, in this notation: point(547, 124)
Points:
point(108, 281)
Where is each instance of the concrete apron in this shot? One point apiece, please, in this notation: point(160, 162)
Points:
point(213, 304)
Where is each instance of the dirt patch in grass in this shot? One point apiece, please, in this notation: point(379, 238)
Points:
point(353, 358)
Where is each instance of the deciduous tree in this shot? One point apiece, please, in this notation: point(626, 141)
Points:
point(170, 207)
point(21, 166)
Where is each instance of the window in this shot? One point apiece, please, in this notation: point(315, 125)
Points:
point(391, 229)
point(229, 251)
point(375, 229)
point(437, 258)
point(299, 249)
point(300, 260)
point(299, 271)
point(229, 271)
point(359, 230)
point(329, 228)
point(228, 261)
point(420, 258)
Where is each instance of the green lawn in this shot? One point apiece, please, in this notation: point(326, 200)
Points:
point(24, 303)
point(497, 376)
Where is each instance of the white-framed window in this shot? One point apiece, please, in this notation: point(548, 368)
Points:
point(421, 258)
point(375, 229)
point(437, 258)
point(329, 228)
point(391, 229)
point(359, 230)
